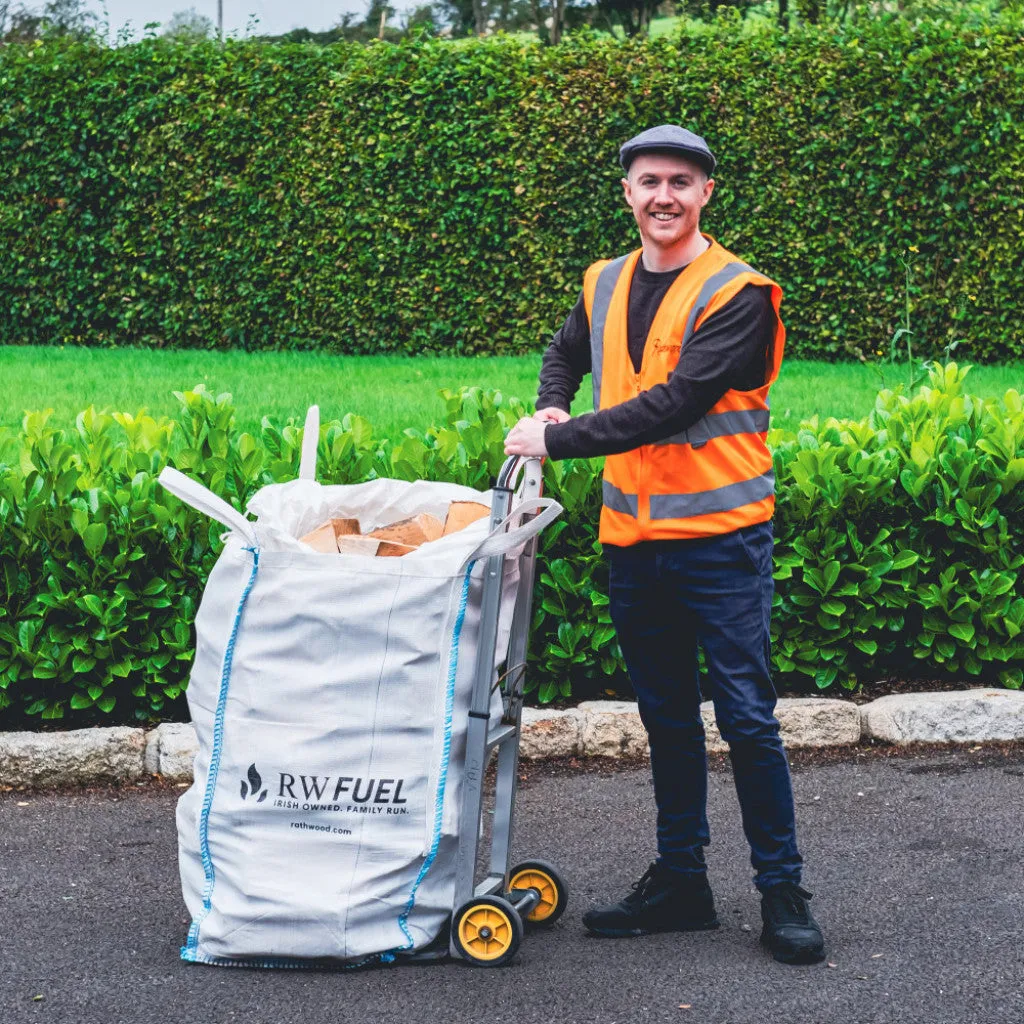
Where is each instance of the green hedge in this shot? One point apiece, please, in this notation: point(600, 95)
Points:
point(428, 197)
point(899, 545)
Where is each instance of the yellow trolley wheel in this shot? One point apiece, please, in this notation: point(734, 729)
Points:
point(546, 879)
point(487, 931)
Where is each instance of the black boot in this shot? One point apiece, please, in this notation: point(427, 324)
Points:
point(661, 901)
point(790, 932)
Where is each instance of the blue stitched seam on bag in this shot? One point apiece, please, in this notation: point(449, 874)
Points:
point(449, 703)
point(188, 951)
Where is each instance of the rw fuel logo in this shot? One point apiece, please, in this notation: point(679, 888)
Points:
point(326, 803)
point(255, 786)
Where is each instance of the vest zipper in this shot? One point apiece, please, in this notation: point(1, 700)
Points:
point(640, 457)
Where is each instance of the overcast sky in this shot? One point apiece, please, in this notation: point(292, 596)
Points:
point(275, 16)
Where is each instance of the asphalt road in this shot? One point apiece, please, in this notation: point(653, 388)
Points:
point(915, 860)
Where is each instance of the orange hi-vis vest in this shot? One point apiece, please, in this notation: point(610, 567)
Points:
point(714, 477)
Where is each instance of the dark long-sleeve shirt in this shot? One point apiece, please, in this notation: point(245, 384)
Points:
point(731, 349)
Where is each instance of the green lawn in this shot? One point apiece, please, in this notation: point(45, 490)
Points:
point(392, 392)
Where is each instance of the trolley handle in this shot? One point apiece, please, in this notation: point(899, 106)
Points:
point(514, 465)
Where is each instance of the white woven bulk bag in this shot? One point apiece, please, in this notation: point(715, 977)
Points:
point(330, 698)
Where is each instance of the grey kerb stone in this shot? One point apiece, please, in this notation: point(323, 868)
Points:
point(550, 733)
point(963, 716)
point(614, 729)
point(170, 751)
point(71, 758)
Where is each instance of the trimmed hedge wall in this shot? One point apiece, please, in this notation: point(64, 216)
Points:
point(431, 197)
point(899, 545)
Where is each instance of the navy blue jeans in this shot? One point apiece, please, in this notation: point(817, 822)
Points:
point(668, 597)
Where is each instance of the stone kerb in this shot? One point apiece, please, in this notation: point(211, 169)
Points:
point(614, 729)
point(611, 728)
point(550, 733)
point(72, 758)
point(594, 728)
point(170, 751)
point(962, 716)
point(818, 722)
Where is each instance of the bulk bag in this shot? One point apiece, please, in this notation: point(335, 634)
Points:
point(330, 698)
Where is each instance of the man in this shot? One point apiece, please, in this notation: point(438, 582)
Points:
point(683, 341)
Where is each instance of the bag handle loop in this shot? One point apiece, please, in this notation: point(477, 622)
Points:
point(310, 437)
point(202, 499)
point(502, 539)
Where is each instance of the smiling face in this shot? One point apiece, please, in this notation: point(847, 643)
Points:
point(666, 194)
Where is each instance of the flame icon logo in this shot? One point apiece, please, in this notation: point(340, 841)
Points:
point(255, 785)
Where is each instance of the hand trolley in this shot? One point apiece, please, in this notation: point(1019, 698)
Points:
point(488, 916)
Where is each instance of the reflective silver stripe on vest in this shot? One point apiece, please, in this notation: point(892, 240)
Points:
point(617, 501)
point(720, 499)
point(603, 292)
point(721, 424)
point(711, 285)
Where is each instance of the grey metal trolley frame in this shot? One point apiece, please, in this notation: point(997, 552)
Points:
point(488, 916)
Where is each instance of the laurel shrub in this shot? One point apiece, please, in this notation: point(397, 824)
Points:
point(899, 545)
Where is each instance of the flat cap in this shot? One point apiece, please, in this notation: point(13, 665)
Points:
point(668, 138)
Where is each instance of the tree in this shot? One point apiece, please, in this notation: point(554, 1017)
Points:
point(57, 18)
point(480, 17)
point(188, 25)
point(18, 25)
point(550, 19)
point(553, 18)
point(704, 8)
point(378, 12)
point(346, 29)
point(423, 18)
point(459, 15)
point(68, 18)
point(633, 15)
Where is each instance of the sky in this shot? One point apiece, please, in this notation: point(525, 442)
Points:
point(275, 16)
